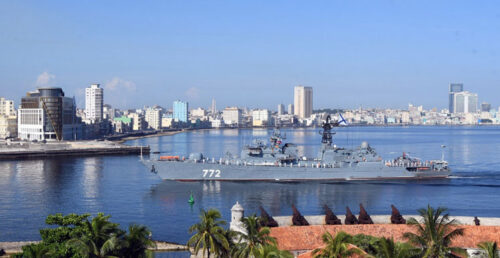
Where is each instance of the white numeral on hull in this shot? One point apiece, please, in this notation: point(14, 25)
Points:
point(211, 173)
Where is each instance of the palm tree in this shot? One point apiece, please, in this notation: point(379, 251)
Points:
point(137, 242)
point(254, 238)
point(103, 238)
point(490, 248)
point(35, 251)
point(434, 233)
point(271, 251)
point(336, 247)
point(209, 234)
point(387, 248)
point(86, 247)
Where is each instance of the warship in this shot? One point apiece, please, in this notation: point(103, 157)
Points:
point(279, 161)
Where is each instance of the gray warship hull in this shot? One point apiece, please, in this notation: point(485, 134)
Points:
point(278, 161)
point(187, 171)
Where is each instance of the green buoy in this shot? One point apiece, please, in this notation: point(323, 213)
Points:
point(191, 199)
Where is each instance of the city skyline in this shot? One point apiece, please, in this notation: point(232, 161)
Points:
point(372, 54)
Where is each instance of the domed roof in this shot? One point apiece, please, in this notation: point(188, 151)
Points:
point(237, 207)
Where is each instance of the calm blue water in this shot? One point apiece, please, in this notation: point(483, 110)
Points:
point(120, 186)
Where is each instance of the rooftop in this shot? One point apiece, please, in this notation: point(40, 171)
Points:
point(305, 238)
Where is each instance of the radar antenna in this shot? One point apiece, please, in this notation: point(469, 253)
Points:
point(327, 130)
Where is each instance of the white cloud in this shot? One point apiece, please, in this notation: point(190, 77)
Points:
point(119, 92)
point(118, 84)
point(45, 79)
point(193, 93)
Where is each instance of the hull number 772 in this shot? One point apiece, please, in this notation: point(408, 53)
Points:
point(211, 173)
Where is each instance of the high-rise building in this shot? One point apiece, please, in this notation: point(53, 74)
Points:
point(180, 111)
point(232, 116)
point(485, 107)
point(8, 119)
point(290, 109)
point(7, 107)
point(94, 101)
point(46, 114)
point(303, 101)
point(464, 102)
point(214, 108)
point(281, 109)
point(454, 88)
point(153, 118)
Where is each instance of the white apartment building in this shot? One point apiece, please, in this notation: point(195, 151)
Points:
point(94, 100)
point(8, 126)
point(303, 101)
point(137, 121)
point(8, 119)
point(261, 117)
point(7, 107)
point(153, 118)
point(232, 116)
point(199, 112)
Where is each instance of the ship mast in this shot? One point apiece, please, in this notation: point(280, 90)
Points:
point(327, 133)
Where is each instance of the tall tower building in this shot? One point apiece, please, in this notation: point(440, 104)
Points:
point(180, 110)
point(290, 109)
point(153, 118)
point(94, 100)
point(281, 109)
point(465, 102)
point(303, 101)
point(454, 88)
point(214, 108)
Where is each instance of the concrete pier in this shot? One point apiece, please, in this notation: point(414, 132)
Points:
point(30, 150)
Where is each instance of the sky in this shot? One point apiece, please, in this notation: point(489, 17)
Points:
point(252, 53)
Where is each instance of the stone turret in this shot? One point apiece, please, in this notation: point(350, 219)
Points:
point(237, 213)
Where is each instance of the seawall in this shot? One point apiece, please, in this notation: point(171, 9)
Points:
point(28, 150)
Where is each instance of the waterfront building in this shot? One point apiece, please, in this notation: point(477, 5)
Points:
point(485, 107)
point(46, 114)
point(454, 88)
point(8, 126)
point(290, 109)
point(465, 102)
point(8, 119)
point(137, 121)
point(109, 112)
point(216, 123)
point(166, 121)
point(261, 117)
point(198, 112)
point(232, 116)
point(7, 107)
point(281, 109)
point(303, 101)
point(94, 101)
point(122, 124)
point(180, 111)
point(153, 118)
